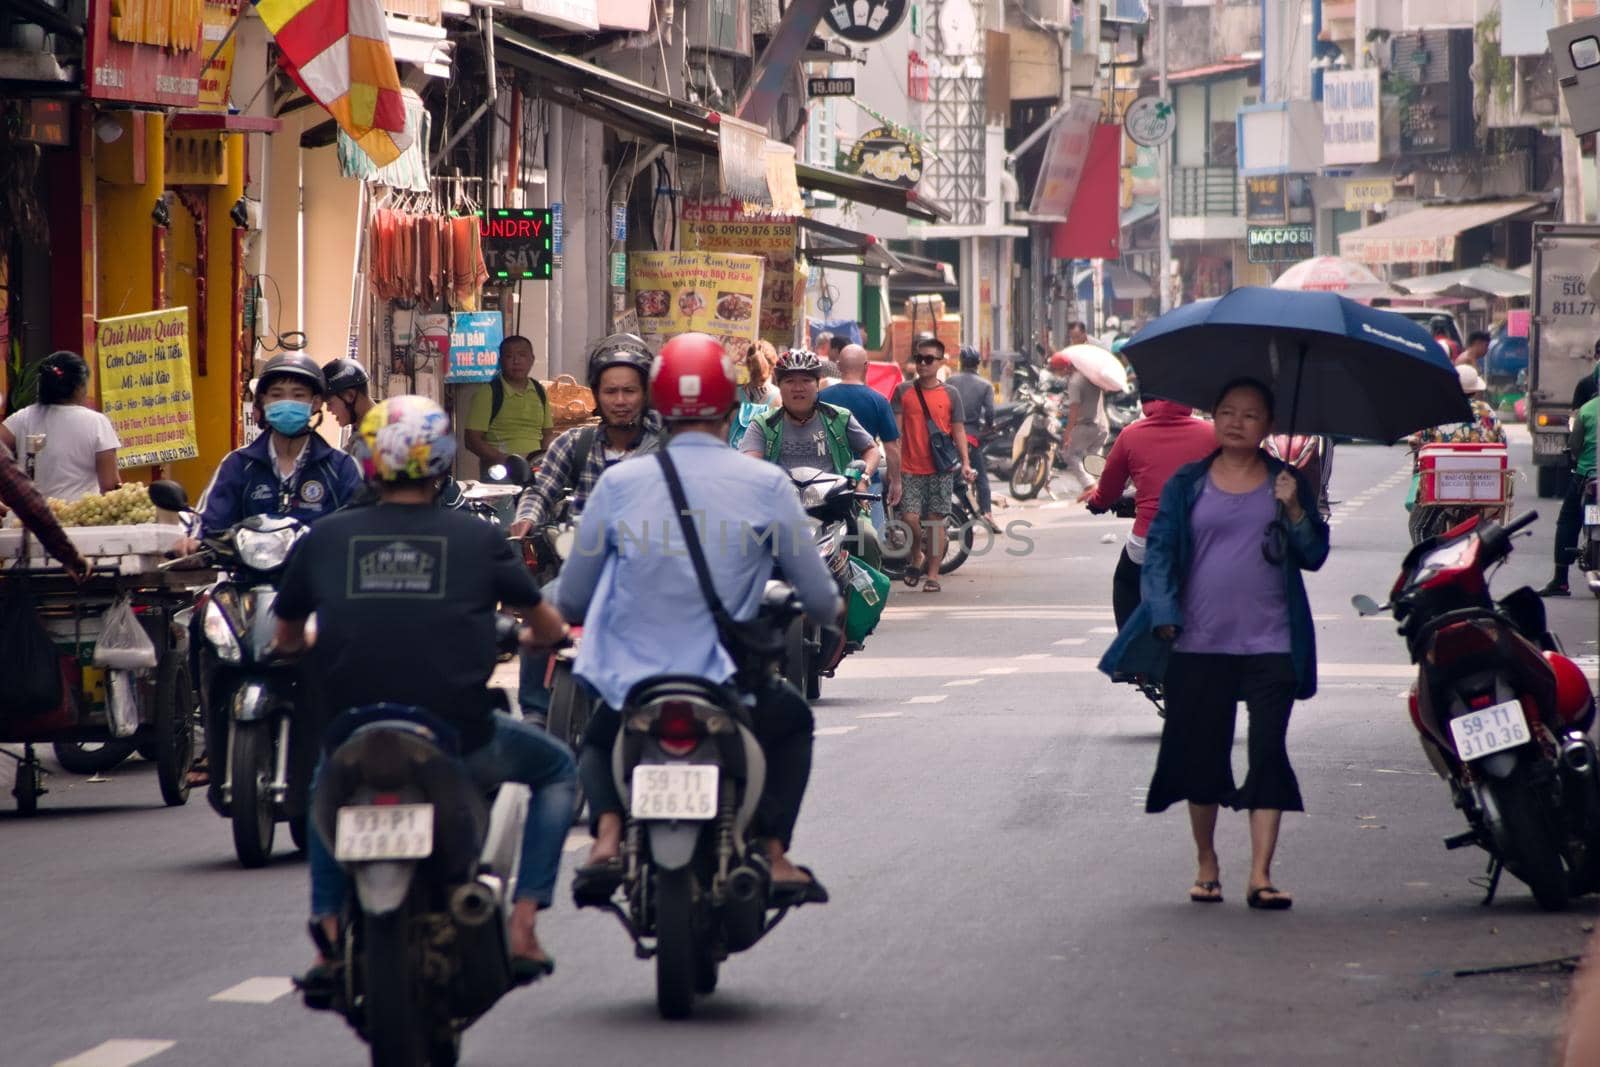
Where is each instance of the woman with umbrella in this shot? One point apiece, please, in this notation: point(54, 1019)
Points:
point(1225, 616)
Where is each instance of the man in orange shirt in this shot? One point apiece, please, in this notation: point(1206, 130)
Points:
point(925, 488)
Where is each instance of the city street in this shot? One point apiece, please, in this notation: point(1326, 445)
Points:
point(976, 811)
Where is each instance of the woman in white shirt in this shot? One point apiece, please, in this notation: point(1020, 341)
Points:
point(79, 456)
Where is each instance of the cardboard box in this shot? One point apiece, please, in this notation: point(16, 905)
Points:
point(901, 333)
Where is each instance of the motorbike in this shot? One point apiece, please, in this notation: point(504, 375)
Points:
point(1448, 496)
point(243, 684)
point(1312, 455)
point(434, 863)
point(1503, 716)
point(996, 440)
point(1589, 537)
point(813, 651)
point(1034, 446)
point(696, 887)
point(493, 498)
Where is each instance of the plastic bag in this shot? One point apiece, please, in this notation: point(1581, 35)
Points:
point(123, 644)
point(866, 595)
point(122, 704)
point(30, 681)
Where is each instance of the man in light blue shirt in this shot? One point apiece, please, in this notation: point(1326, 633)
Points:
point(631, 582)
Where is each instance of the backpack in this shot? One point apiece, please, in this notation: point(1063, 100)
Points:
point(497, 395)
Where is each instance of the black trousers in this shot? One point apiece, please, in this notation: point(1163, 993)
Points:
point(1568, 523)
point(1125, 594)
point(783, 725)
point(1195, 759)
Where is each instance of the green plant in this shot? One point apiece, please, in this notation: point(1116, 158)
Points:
point(1496, 72)
point(1406, 91)
point(23, 379)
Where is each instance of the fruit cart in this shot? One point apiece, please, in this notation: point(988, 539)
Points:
point(157, 707)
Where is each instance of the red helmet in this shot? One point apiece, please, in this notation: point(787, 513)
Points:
point(692, 378)
point(1574, 702)
point(1060, 363)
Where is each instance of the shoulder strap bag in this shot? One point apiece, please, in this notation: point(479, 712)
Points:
point(940, 444)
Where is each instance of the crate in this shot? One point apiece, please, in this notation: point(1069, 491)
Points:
point(1463, 474)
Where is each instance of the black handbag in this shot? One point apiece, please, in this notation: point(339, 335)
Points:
point(940, 444)
point(743, 640)
point(31, 683)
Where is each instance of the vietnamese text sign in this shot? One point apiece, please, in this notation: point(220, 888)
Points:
point(1350, 116)
point(1364, 194)
point(1264, 198)
point(216, 80)
point(1280, 244)
point(475, 338)
point(145, 388)
point(124, 63)
point(711, 292)
point(883, 154)
point(517, 243)
point(1064, 159)
point(723, 226)
point(1429, 248)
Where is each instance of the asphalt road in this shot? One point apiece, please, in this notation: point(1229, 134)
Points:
point(977, 813)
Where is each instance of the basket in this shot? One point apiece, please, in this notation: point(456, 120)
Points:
point(1467, 474)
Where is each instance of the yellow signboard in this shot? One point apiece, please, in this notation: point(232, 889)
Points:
point(709, 292)
point(724, 226)
point(145, 388)
point(217, 78)
point(1364, 194)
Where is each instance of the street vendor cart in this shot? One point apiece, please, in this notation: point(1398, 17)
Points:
point(154, 708)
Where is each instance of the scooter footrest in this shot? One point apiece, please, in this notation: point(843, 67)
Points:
point(1465, 839)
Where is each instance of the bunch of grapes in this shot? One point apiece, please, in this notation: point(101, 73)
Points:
point(125, 505)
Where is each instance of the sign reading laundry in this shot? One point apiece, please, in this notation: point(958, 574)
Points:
point(145, 387)
point(518, 243)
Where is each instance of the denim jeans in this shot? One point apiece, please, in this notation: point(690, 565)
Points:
point(533, 696)
point(518, 753)
point(876, 486)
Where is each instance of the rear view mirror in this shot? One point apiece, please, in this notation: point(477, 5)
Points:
point(169, 496)
point(1095, 464)
point(1365, 605)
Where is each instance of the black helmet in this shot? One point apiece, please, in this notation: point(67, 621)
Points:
point(619, 350)
point(798, 361)
point(1439, 324)
point(345, 373)
point(927, 337)
point(292, 365)
point(970, 357)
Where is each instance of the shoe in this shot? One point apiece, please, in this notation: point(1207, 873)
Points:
point(1556, 589)
point(321, 984)
point(594, 884)
point(525, 970)
point(793, 894)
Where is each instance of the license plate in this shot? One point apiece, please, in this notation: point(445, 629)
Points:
point(1549, 444)
point(384, 832)
point(1591, 514)
point(674, 791)
point(1482, 733)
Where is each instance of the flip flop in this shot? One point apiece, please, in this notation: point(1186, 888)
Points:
point(1258, 899)
point(1210, 893)
point(932, 586)
point(912, 576)
point(525, 970)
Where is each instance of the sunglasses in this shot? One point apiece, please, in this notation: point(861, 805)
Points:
point(927, 359)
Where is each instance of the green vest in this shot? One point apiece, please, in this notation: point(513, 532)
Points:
point(835, 428)
point(1589, 425)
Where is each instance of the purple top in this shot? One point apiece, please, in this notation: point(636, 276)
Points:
point(1234, 601)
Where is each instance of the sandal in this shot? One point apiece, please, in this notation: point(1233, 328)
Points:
point(932, 586)
point(1209, 893)
point(594, 883)
point(1268, 898)
point(321, 984)
point(526, 970)
point(199, 773)
point(793, 894)
point(912, 576)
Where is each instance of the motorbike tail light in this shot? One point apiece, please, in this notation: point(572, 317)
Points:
point(1481, 701)
point(385, 799)
point(678, 729)
point(1461, 641)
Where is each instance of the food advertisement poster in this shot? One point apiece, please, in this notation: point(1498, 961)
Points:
point(475, 338)
point(711, 292)
point(145, 388)
point(725, 226)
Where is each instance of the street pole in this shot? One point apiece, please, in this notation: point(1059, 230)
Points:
point(1164, 157)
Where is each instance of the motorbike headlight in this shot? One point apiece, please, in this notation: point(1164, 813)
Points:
point(265, 550)
point(219, 633)
point(828, 537)
point(814, 495)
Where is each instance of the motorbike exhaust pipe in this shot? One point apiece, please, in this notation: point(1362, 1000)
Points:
point(472, 905)
point(1578, 756)
point(746, 885)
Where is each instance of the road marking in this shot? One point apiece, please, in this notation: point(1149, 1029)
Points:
point(119, 1052)
point(1033, 655)
point(1068, 642)
point(576, 840)
point(962, 681)
point(998, 670)
point(1103, 630)
point(831, 731)
point(255, 991)
point(930, 698)
point(927, 668)
point(882, 715)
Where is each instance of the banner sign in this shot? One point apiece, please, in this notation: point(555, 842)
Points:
point(518, 243)
point(880, 153)
point(1064, 159)
point(1365, 194)
point(148, 53)
point(216, 80)
point(1280, 244)
point(1264, 198)
point(830, 87)
point(863, 21)
point(145, 387)
point(723, 226)
point(475, 338)
point(742, 158)
point(711, 292)
point(1350, 117)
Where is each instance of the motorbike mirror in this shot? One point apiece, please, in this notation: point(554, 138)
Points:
point(1095, 464)
point(1365, 605)
point(169, 496)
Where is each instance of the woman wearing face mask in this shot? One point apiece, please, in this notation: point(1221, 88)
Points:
point(288, 470)
point(79, 456)
point(753, 373)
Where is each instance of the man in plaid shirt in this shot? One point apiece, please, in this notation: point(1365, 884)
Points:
point(619, 377)
point(18, 494)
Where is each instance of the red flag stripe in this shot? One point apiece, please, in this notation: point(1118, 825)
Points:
point(313, 30)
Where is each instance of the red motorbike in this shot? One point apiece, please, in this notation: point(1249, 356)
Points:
point(1502, 714)
point(1312, 455)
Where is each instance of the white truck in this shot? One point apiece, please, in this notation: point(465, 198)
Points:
point(1561, 343)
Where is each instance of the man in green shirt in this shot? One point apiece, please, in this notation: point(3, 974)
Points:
point(512, 415)
point(1581, 443)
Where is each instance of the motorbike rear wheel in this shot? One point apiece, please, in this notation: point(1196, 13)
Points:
point(1028, 477)
point(567, 720)
point(1528, 846)
point(796, 656)
point(394, 1025)
point(254, 821)
point(677, 965)
point(958, 531)
point(91, 757)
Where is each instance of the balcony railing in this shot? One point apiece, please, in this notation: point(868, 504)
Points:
point(1198, 191)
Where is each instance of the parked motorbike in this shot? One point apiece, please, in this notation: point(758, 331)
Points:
point(1034, 446)
point(433, 862)
point(697, 887)
point(1312, 455)
point(247, 692)
point(1446, 498)
point(1589, 537)
point(996, 440)
point(1503, 716)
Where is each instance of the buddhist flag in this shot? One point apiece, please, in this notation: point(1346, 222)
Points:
point(338, 50)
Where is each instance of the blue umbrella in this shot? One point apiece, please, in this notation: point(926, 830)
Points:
point(1336, 366)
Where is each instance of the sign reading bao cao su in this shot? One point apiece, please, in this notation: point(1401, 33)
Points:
point(1280, 244)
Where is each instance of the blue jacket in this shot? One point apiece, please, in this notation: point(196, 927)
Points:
point(1168, 555)
point(246, 483)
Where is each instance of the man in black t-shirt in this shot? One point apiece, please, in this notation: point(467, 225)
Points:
point(405, 594)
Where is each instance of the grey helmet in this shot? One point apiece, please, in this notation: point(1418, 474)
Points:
point(797, 361)
point(619, 350)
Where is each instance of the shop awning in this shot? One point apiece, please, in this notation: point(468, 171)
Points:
point(1428, 234)
point(871, 192)
point(826, 244)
